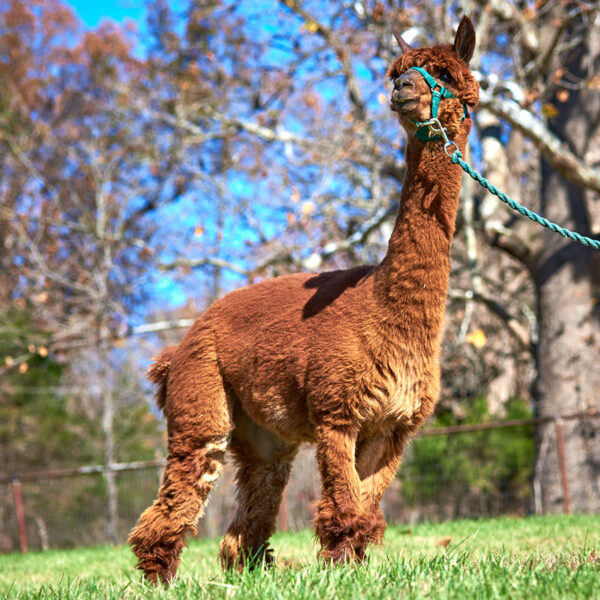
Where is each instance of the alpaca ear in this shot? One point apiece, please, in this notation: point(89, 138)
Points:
point(404, 47)
point(464, 43)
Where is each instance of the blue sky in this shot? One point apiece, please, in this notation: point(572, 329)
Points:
point(92, 13)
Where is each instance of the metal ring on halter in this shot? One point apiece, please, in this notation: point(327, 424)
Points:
point(447, 145)
point(435, 121)
point(440, 129)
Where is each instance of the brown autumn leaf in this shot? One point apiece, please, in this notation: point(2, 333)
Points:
point(293, 563)
point(308, 208)
point(310, 26)
point(444, 542)
point(476, 338)
point(528, 14)
point(530, 97)
point(145, 253)
point(311, 100)
point(594, 82)
point(549, 110)
point(558, 74)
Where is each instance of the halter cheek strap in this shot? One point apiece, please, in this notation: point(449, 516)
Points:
point(423, 130)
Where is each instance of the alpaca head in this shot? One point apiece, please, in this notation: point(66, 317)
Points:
point(448, 64)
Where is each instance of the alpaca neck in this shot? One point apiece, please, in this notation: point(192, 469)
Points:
point(412, 280)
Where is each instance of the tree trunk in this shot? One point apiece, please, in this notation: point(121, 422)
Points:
point(112, 509)
point(567, 279)
point(108, 417)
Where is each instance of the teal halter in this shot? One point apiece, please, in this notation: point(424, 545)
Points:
point(423, 130)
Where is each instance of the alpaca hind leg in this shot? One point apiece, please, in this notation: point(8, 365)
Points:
point(199, 425)
point(159, 536)
point(263, 468)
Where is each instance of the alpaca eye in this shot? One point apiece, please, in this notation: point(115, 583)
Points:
point(445, 76)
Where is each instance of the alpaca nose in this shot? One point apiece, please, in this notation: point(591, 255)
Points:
point(404, 81)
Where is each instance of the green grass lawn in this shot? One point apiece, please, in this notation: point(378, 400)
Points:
point(537, 557)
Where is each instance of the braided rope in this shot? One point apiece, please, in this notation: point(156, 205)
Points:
point(456, 158)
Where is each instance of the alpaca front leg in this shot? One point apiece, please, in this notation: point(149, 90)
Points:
point(377, 461)
point(341, 525)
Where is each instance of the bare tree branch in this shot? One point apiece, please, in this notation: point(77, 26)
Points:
point(160, 326)
point(315, 260)
point(354, 91)
point(205, 262)
point(554, 150)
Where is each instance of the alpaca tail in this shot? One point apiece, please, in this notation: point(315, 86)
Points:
point(158, 374)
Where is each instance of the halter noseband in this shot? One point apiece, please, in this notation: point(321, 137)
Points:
point(424, 132)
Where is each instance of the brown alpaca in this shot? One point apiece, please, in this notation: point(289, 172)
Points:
point(348, 360)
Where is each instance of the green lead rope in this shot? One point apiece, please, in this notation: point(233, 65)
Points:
point(456, 158)
point(431, 130)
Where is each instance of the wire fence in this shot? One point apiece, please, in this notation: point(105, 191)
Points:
point(470, 471)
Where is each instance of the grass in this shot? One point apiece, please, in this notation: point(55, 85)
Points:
point(537, 557)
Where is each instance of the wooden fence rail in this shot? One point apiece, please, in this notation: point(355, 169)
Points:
point(558, 420)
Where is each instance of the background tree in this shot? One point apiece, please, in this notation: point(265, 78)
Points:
point(567, 276)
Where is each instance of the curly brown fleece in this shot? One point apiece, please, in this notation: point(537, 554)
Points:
point(348, 360)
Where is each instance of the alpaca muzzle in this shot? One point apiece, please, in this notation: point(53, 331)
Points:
point(404, 95)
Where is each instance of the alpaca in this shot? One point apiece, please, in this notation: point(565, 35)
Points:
point(347, 359)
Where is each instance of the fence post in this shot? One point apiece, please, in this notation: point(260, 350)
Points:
point(283, 510)
point(562, 465)
point(20, 512)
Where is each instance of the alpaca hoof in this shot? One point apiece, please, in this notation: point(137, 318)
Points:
point(156, 576)
point(378, 527)
point(153, 578)
point(158, 562)
point(342, 554)
point(233, 556)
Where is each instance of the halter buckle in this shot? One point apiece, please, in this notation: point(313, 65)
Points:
point(440, 130)
point(436, 128)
